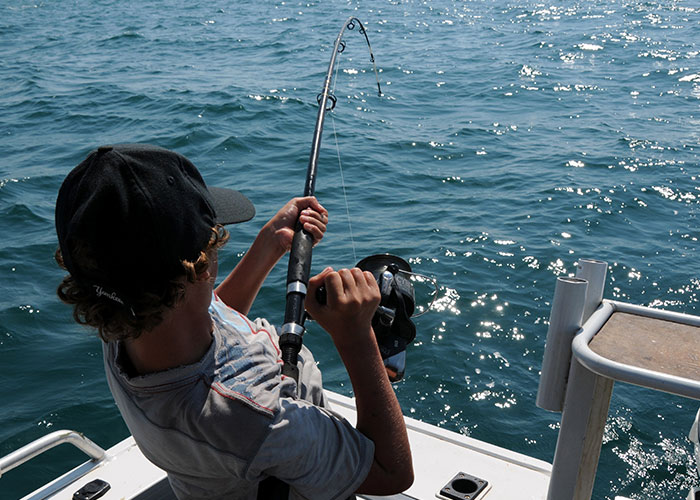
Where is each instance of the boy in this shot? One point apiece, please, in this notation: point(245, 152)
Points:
point(199, 384)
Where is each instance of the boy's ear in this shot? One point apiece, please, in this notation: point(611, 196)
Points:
point(204, 276)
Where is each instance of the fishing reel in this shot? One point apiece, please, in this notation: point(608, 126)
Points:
point(391, 322)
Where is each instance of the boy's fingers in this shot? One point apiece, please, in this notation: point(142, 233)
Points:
point(315, 230)
point(318, 207)
point(321, 217)
point(348, 279)
point(369, 279)
point(310, 202)
point(318, 280)
point(334, 287)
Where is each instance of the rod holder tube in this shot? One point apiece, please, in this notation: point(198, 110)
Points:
point(593, 271)
point(564, 321)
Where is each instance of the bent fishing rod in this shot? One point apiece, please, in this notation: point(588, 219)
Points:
point(299, 267)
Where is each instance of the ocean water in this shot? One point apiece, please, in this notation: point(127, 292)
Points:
point(512, 139)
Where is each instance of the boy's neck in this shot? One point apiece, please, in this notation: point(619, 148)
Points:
point(182, 338)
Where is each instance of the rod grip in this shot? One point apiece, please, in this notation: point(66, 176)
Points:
point(297, 275)
point(290, 348)
point(298, 271)
point(300, 257)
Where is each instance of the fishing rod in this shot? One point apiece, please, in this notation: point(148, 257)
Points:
point(299, 267)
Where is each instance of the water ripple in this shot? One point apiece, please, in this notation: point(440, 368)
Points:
point(512, 140)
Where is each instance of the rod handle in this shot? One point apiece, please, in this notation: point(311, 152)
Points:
point(300, 257)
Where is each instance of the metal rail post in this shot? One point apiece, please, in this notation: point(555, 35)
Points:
point(586, 406)
point(564, 322)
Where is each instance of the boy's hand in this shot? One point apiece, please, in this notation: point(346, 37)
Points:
point(352, 299)
point(310, 213)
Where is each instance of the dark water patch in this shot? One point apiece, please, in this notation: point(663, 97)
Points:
point(23, 216)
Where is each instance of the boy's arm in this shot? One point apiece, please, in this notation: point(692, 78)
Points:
point(241, 286)
point(353, 297)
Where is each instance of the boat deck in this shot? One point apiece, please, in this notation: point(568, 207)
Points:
point(439, 455)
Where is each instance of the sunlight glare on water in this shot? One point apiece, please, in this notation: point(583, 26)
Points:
point(512, 139)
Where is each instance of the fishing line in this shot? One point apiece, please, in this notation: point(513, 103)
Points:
point(418, 277)
point(345, 195)
point(341, 49)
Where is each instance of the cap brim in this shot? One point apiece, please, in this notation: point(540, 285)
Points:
point(231, 206)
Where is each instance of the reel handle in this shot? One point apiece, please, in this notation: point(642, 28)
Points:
point(322, 295)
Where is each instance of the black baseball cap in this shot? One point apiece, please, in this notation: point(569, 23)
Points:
point(139, 210)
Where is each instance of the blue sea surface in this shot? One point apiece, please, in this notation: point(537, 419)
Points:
point(512, 139)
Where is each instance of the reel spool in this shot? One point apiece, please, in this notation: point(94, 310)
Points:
point(392, 321)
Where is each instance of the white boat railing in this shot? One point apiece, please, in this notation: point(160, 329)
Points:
point(45, 443)
point(577, 380)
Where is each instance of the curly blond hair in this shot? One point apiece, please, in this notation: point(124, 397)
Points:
point(114, 321)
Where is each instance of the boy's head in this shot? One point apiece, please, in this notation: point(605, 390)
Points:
point(127, 218)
